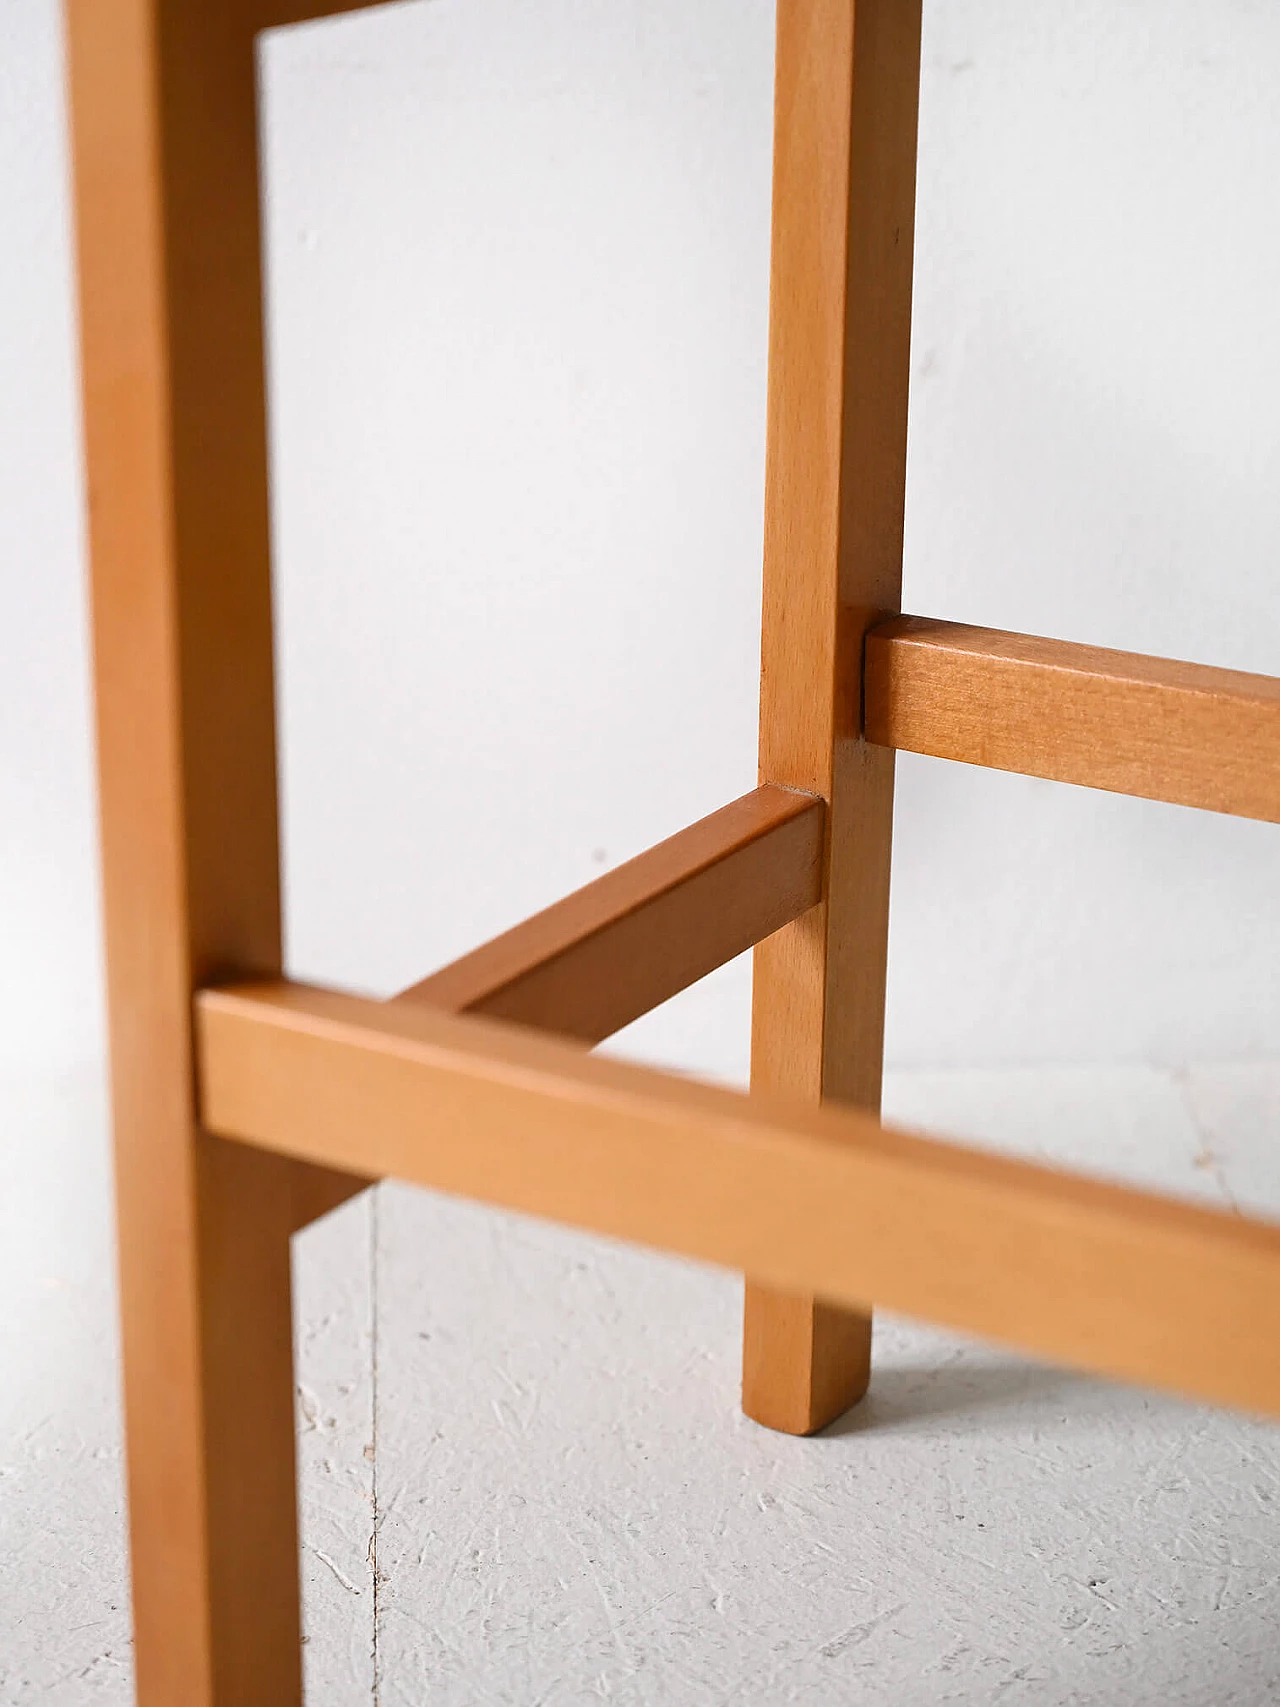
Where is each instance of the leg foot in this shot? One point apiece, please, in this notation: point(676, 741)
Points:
point(803, 1362)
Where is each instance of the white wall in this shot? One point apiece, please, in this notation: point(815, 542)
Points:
point(518, 285)
point(50, 1006)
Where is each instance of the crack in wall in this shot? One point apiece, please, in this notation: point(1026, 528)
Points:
point(373, 1413)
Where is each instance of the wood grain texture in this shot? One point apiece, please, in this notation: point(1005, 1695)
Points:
point(614, 949)
point(1185, 733)
point(163, 108)
point(819, 1201)
point(847, 91)
point(640, 934)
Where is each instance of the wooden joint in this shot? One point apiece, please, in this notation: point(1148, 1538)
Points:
point(637, 936)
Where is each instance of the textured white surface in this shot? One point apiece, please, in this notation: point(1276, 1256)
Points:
point(525, 1478)
point(64, 1623)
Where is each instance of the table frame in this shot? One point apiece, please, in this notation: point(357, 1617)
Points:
point(244, 1106)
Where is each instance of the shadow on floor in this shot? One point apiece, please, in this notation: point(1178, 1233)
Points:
point(916, 1396)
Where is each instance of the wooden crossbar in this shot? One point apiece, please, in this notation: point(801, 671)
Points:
point(643, 932)
point(1114, 720)
point(806, 1198)
point(632, 939)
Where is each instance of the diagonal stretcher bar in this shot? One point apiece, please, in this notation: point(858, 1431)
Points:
point(640, 934)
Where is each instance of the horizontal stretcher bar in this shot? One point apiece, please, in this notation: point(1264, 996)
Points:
point(811, 1200)
point(1184, 733)
point(637, 936)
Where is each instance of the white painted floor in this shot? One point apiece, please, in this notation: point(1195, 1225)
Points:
point(525, 1478)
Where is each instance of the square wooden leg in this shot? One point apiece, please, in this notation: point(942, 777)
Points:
point(847, 96)
point(803, 1362)
point(164, 112)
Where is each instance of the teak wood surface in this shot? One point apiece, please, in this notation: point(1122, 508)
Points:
point(1185, 733)
point(846, 99)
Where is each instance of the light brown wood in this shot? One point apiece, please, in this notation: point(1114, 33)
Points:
point(640, 934)
point(847, 89)
point(322, 1190)
point(1185, 733)
point(815, 1200)
point(162, 96)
